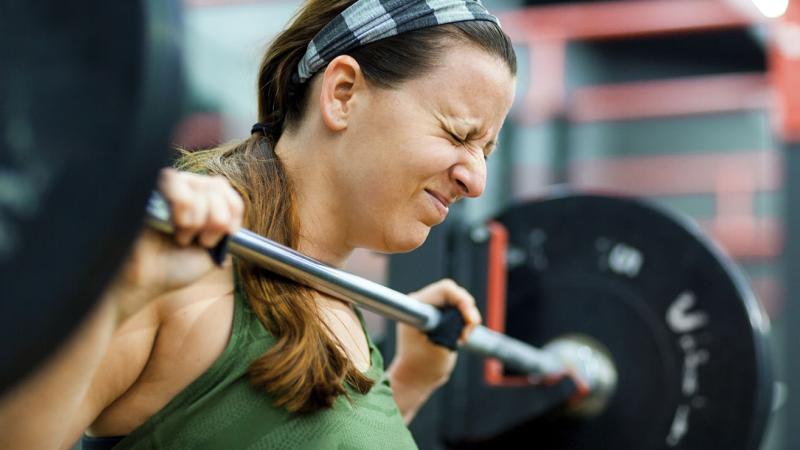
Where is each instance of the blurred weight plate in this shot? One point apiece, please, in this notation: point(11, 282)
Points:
point(685, 332)
point(89, 92)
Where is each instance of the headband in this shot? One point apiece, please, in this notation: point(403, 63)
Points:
point(367, 21)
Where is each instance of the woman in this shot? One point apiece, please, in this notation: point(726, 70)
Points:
point(375, 116)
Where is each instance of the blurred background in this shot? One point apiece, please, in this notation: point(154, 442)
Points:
point(685, 102)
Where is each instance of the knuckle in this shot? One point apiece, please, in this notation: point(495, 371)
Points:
point(210, 239)
point(164, 175)
point(197, 216)
point(205, 239)
point(180, 200)
point(218, 219)
point(238, 203)
point(220, 182)
point(449, 283)
point(182, 214)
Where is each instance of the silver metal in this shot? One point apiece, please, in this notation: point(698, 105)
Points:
point(590, 362)
point(593, 367)
point(513, 353)
point(292, 264)
point(373, 296)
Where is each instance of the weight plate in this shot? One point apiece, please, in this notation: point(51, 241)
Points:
point(686, 334)
point(89, 92)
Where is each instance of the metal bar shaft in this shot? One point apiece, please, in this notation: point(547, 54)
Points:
point(372, 296)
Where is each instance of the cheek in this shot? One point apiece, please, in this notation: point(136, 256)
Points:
point(411, 236)
point(430, 158)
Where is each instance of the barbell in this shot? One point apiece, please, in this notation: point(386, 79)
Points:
point(688, 340)
point(593, 373)
point(707, 320)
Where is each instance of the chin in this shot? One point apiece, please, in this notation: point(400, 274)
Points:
point(408, 239)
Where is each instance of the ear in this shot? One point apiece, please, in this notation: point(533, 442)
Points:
point(341, 83)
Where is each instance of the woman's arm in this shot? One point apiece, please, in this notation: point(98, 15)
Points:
point(101, 359)
point(408, 392)
point(38, 412)
point(419, 366)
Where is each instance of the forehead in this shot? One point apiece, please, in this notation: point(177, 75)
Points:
point(469, 87)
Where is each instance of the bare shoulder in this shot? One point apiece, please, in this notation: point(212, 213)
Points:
point(157, 356)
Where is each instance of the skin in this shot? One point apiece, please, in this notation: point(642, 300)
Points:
point(373, 168)
point(386, 155)
point(383, 151)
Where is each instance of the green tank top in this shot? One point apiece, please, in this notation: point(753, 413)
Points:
point(222, 410)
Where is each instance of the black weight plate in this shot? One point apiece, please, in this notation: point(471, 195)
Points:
point(686, 334)
point(88, 97)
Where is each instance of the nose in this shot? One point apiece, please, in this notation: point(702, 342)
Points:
point(470, 177)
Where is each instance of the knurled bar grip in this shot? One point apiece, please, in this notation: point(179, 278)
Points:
point(370, 295)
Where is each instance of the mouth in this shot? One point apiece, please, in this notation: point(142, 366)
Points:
point(441, 202)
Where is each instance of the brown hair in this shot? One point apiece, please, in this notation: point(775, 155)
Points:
point(306, 369)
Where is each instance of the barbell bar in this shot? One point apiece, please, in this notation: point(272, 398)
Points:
point(591, 370)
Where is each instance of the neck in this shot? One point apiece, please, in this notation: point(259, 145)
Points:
point(323, 230)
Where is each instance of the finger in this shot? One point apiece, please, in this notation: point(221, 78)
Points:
point(436, 293)
point(183, 237)
point(236, 208)
point(448, 292)
point(465, 302)
point(179, 194)
point(187, 206)
point(469, 311)
point(197, 219)
point(217, 220)
point(462, 300)
point(234, 205)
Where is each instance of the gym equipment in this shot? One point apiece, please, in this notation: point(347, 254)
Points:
point(593, 373)
point(685, 334)
point(612, 288)
point(621, 326)
point(85, 130)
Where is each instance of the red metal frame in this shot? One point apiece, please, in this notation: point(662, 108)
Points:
point(673, 97)
point(732, 177)
point(679, 174)
point(620, 19)
point(785, 71)
point(547, 90)
point(496, 303)
point(547, 29)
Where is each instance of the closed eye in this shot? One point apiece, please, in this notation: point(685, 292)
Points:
point(461, 141)
point(456, 138)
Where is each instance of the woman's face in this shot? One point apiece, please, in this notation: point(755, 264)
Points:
point(412, 151)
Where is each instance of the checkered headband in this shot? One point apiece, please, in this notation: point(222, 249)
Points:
point(367, 21)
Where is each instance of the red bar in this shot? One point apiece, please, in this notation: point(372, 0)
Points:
point(547, 91)
point(620, 19)
point(674, 97)
point(496, 303)
point(678, 174)
point(785, 71)
point(747, 238)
